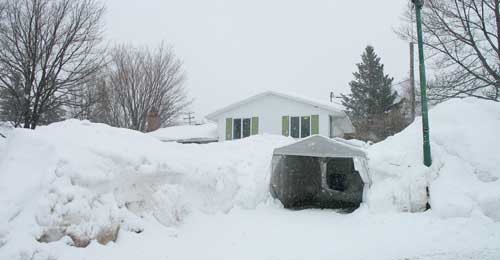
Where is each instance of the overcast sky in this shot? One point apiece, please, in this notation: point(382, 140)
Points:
point(232, 49)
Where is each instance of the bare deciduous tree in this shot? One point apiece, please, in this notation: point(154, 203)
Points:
point(139, 80)
point(48, 49)
point(462, 41)
point(86, 99)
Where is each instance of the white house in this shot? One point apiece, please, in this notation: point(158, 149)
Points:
point(282, 114)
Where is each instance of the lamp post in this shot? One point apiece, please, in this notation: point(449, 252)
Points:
point(423, 88)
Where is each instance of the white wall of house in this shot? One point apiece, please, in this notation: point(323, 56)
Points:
point(270, 110)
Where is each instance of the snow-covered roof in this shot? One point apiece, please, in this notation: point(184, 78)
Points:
point(185, 133)
point(320, 146)
point(335, 109)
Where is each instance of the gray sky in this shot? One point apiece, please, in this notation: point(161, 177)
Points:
point(236, 48)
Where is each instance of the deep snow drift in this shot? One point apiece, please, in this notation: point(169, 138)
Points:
point(464, 177)
point(74, 183)
point(85, 180)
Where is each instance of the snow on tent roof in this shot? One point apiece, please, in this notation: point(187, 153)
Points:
point(320, 146)
point(186, 132)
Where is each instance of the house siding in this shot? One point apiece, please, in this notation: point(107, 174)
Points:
point(270, 110)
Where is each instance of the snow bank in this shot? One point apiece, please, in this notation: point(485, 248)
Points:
point(186, 132)
point(86, 181)
point(464, 176)
point(75, 182)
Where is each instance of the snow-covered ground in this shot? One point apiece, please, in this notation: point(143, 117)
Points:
point(76, 183)
point(270, 232)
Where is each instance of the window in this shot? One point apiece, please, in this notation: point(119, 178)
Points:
point(305, 126)
point(246, 127)
point(295, 127)
point(237, 128)
point(300, 126)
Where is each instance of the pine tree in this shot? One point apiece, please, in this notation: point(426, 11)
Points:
point(371, 92)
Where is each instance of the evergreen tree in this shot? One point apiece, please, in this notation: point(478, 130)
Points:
point(371, 95)
point(371, 92)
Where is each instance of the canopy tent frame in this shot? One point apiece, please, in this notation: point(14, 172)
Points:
point(307, 186)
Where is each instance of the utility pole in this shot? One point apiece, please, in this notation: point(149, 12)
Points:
point(423, 88)
point(412, 80)
point(189, 117)
point(412, 68)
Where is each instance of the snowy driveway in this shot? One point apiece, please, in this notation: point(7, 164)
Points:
point(275, 234)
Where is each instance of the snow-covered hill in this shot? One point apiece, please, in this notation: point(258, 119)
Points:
point(76, 183)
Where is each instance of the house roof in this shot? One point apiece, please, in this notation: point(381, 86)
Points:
point(333, 108)
point(186, 133)
point(320, 146)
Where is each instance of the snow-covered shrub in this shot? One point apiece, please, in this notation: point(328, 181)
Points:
point(83, 215)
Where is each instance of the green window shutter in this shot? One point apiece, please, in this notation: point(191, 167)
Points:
point(255, 125)
point(285, 124)
point(314, 124)
point(229, 128)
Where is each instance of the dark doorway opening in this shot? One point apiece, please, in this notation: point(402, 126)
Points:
point(337, 171)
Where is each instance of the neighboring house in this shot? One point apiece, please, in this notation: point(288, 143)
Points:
point(281, 114)
point(186, 134)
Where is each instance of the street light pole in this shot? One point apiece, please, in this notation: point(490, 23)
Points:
point(423, 88)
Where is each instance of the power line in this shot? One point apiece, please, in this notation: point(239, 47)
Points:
point(399, 83)
point(189, 117)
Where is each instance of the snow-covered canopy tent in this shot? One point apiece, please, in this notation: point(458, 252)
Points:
point(320, 172)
